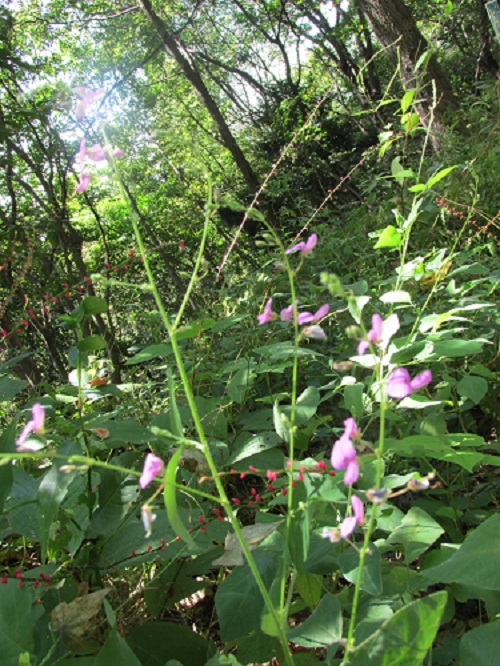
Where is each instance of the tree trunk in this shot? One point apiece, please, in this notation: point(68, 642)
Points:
point(174, 47)
point(395, 29)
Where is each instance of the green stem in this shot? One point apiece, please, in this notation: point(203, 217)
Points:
point(199, 429)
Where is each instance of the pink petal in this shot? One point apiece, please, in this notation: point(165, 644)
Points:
point(287, 313)
point(84, 182)
point(357, 507)
point(398, 383)
point(421, 380)
point(350, 428)
point(304, 318)
point(343, 453)
point(310, 244)
point(298, 246)
point(352, 473)
point(38, 420)
point(375, 333)
point(319, 314)
point(267, 314)
point(347, 526)
point(362, 347)
point(152, 467)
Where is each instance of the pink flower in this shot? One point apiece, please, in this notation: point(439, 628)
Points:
point(86, 97)
point(35, 425)
point(308, 318)
point(344, 454)
point(314, 332)
point(267, 314)
point(152, 467)
point(84, 182)
point(374, 334)
point(287, 313)
point(348, 525)
point(400, 385)
point(305, 247)
point(96, 153)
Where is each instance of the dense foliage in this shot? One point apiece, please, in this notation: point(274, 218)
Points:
point(249, 344)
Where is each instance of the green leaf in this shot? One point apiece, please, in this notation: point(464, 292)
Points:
point(353, 398)
point(94, 305)
point(472, 387)
point(91, 343)
point(309, 586)
point(481, 646)
point(127, 430)
point(239, 384)
point(155, 643)
point(51, 493)
point(16, 622)
point(456, 348)
point(116, 651)
point(407, 99)
point(475, 563)
point(169, 496)
point(416, 533)
point(151, 352)
point(439, 176)
point(7, 445)
point(238, 600)
point(371, 578)
point(10, 386)
point(390, 237)
point(405, 638)
point(322, 628)
point(223, 660)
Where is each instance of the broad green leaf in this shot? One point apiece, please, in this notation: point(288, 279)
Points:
point(416, 533)
point(481, 646)
point(16, 623)
point(170, 498)
point(390, 237)
point(475, 563)
point(456, 348)
point(253, 445)
point(51, 493)
point(239, 384)
point(151, 352)
point(91, 343)
point(472, 387)
point(309, 587)
point(128, 430)
point(193, 329)
point(238, 600)
point(281, 422)
point(11, 386)
point(7, 445)
point(322, 628)
point(371, 578)
point(307, 404)
point(405, 638)
point(353, 398)
point(94, 305)
point(155, 643)
point(223, 660)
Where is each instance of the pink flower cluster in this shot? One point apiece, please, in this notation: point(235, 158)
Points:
point(153, 466)
point(315, 332)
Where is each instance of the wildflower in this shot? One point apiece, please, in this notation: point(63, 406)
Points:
point(84, 182)
point(272, 476)
point(308, 318)
point(332, 535)
point(267, 314)
point(378, 495)
point(380, 333)
point(314, 332)
point(86, 97)
point(305, 247)
point(344, 454)
point(400, 385)
point(147, 517)
point(152, 467)
point(35, 425)
point(287, 313)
